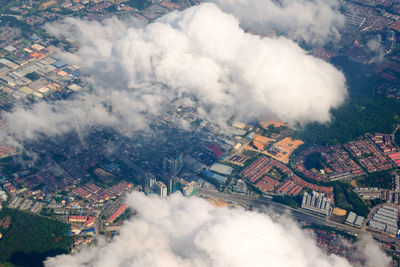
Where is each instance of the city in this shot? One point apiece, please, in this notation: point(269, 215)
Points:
point(340, 179)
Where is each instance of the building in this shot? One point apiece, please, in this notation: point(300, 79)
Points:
point(239, 125)
point(172, 184)
point(89, 222)
point(240, 186)
point(316, 202)
point(189, 189)
point(77, 218)
point(221, 168)
point(173, 166)
point(79, 191)
point(354, 19)
point(351, 217)
point(387, 195)
point(3, 196)
point(47, 4)
point(376, 225)
point(368, 192)
point(396, 183)
point(160, 188)
point(193, 164)
point(385, 219)
point(359, 221)
point(150, 180)
point(354, 219)
point(116, 214)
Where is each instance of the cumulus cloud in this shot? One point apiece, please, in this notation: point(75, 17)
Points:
point(369, 254)
point(177, 231)
point(312, 21)
point(128, 110)
point(200, 54)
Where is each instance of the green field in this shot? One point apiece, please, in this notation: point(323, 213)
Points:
point(29, 239)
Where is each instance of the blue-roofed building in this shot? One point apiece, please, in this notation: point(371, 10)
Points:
point(90, 231)
point(77, 73)
point(68, 70)
point(221, 179)
point(250, 135)
point(34, 38)
point(111, 167)
point(59, 64)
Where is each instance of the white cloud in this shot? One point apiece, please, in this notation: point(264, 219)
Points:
point(368, 253)
point(312, 21)
point(199, 53)
point(375, 48)
point(177, 231)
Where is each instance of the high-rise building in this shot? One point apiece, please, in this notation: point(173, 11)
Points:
point(173, 166)
point(316, 202)
point(150, 180)
point(160, 188)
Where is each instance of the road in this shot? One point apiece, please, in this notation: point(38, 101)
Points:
point(392, 135)
point(298, 214)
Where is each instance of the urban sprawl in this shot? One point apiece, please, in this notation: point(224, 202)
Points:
point(250, 164)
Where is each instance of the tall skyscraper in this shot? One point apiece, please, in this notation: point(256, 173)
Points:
point(160, 188)
point(173, 167)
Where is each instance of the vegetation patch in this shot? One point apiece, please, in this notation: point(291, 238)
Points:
point(314, 161)
point(345, 198)
point(358, 116)
point(292, 201)
point(28, 239)
point(33, 76)
point(381, 179)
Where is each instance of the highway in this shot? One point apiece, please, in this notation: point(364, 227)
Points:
point(266, 204)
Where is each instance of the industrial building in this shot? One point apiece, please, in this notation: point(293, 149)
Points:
point(377, 225)
point(316, 202)
point(221, 168)
point(221, 179)
point(354, 219)
point(385, 219)
point(193, 164)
